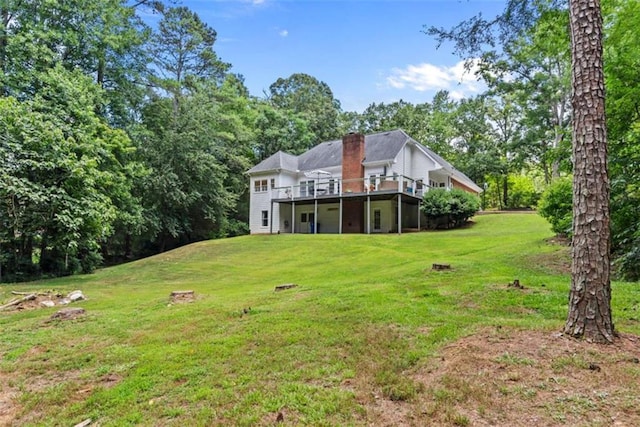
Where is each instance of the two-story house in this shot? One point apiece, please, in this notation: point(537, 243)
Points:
point(360, 184)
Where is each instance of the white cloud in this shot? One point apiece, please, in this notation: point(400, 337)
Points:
point(283, 33)
point(257, 1)
point(457, 79)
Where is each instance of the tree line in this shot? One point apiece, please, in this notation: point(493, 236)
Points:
point(118, 140)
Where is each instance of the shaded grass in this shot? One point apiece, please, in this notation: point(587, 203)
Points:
point(367, 312)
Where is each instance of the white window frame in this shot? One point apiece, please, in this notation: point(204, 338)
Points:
point(260, 186)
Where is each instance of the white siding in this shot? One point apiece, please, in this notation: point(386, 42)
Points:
point(421, 165)
point(261, 201)
point(387, 215)
point(284, 221)
point(329, 218)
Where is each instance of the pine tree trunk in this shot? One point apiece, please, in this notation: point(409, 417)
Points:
point(590, 296)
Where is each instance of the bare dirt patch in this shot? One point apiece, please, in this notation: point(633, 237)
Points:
point(9, 407)
point(557, 262)
point(182, 297)
point(30, 301)
point(522, 378)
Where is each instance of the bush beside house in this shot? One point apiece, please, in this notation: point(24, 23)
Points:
point(449, 209)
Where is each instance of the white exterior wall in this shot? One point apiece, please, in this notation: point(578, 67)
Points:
point(261, 201)
point(328, 219)
point(284, 221)
point(421, 165)
point(387, 215)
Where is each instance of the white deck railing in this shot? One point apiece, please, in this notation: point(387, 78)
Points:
point(332, 187)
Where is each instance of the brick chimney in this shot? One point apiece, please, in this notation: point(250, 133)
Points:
point(352, 169)
point(352, 157)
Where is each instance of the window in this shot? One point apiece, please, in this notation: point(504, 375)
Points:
point(273, 183)
point(306, 187)
point(260, 185)
point(442, 185)
point(372, 182)
point(332, 186)
point(303, 217)
point(265, 218)
point(377, 220)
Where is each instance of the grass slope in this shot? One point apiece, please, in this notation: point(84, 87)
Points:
point(368, 311)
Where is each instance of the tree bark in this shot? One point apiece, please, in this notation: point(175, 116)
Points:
point(590, 297)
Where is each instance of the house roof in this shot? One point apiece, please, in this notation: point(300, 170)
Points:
point(277, 161)
point(378, 147)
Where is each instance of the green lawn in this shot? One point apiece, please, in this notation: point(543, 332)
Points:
point(368, 309)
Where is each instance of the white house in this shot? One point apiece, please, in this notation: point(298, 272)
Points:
point(360, 184)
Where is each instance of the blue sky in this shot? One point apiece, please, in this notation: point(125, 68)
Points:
point(365, 50)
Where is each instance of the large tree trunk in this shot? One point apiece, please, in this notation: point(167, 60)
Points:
point(590, 296)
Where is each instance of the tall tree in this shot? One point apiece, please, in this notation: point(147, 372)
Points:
point(533, 71)
point(280, 130)
point(311, 99)
point(590, 297)
point(103, 38)
point(476, 152)
point(531, 67)
point(197, 158)
point(183, 53)
point(507, 141)
point(63, 177)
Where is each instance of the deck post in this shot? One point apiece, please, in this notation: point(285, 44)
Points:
point(399, 213)
point(271, 219)
point(315, 217)
point(419, 204)
point(340, 222)
point(368, 214)
point(293, 217)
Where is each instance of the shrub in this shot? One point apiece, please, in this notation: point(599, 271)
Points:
point(522, 193)
point(448, 209)
point(556, 206)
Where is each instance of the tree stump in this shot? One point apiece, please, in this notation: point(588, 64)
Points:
point(67, 313)
point(285, 286)
point(441, 266)
point(516, 284)
point(182, 296)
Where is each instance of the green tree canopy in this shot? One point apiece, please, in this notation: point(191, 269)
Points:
point(312, 100)
point(64, 177)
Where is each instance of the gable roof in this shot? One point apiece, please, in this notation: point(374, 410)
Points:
point(378, 147)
